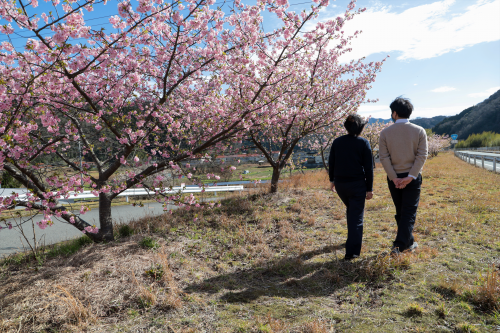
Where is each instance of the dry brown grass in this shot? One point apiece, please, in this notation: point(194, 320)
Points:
point(487, 295)
point(110, 279)
point(172, 297)
point(316, 326)
point(146, 293)
point(269, 324)
point(271, 263)
point(72, 308)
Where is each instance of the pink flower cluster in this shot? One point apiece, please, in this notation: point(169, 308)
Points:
point(90, 229)
point(168, 84)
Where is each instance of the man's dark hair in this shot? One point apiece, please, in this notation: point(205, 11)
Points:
point(354, 124)
point(402, 107)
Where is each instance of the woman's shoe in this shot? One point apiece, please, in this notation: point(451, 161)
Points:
point(350, 257)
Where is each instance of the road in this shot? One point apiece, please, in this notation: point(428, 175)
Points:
point(11, 241)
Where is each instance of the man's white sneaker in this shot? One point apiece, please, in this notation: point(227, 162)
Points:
point(413, 247)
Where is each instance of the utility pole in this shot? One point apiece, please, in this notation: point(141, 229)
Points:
point(81, 161)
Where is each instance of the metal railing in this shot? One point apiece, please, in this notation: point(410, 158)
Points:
point(488, 161)
point(130, 192)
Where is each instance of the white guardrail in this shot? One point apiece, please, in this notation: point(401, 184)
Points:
point(5, 192)
point(488, 161)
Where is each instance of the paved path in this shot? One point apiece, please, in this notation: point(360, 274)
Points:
point(10, 240)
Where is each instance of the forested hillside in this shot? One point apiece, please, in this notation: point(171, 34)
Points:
point(479, 118)
point(428, 122)
point(424, 122)
point(374, 120)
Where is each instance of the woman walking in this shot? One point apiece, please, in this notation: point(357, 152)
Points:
point(351, 175)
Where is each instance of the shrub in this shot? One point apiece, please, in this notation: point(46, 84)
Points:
point(125, 231)
point(156, 272)
point(149, 243)
point(485, 139)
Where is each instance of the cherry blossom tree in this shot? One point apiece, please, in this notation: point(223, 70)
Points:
point(322, 140)
point(161, 89)
point(322, 90)
point(436, 143)
point(371, 132)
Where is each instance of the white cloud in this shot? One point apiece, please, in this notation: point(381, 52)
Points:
point(486, 93)
point(424, 31)
point(367, 108)
point(443, 89)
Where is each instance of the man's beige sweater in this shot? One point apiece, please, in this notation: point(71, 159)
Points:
point(403, 148)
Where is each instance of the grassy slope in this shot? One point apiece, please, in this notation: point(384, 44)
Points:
point(271, 264)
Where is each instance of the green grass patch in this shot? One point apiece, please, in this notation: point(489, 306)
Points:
point(149, 243)
point(125, 231)
point(69, 247)
point(156, 272)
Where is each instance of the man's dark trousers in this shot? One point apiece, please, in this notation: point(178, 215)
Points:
point(406, 202)
point(353, 194)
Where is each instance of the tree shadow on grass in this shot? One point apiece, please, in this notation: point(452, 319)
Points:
point(22, 276)
point(295, 277)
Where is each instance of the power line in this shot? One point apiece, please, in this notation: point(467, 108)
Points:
point(47, 34)
point(97, 18)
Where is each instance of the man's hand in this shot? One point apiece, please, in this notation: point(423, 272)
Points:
point(396, 182)
point(332, 186)
point(369, 195)
point(403, 182)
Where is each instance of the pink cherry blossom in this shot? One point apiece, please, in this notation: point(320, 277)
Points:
point(436, 143)
point(175, 82)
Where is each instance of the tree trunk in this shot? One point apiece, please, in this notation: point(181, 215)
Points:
point(105, 221)
point(275, 179)
point(324, 161)
point(373, 158)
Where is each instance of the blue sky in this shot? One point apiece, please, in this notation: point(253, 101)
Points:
point(444, 55)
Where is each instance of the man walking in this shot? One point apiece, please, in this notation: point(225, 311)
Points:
point(403, 151)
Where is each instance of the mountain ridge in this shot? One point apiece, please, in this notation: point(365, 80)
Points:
point(424, 122)
point(482, 117)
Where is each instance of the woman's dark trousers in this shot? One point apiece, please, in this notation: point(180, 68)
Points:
point(406, 201)
point(353, 194)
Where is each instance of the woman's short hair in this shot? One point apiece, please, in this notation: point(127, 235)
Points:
point(354, 124)
point(402, 107)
